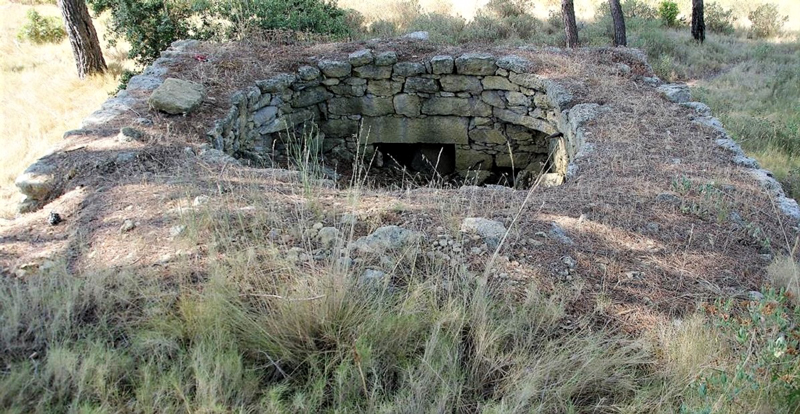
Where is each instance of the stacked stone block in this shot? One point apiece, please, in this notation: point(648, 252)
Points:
point(494, 112)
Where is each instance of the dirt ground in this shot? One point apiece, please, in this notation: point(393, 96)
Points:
point(658, 216)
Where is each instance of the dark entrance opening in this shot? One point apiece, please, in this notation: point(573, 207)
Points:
point(503, 176)
point(425, 159)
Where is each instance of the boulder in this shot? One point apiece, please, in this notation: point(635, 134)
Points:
point(675, 92)
point(387, 239)
point(177, 96)
point(442, 65)
point(489, 230)
point(335, 68)
point(481, 64)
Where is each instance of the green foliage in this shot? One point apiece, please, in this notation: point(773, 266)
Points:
point(765, 337)
point(638, 9)
point(766, 21)
point(383, 28)
point(508, 8)
point(150, 26)
point(719, 19)
point(40, 29)
point(668, 13)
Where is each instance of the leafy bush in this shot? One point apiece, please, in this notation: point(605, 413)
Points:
point(718, 19)
point(40, 29)
point(668, 13)
point(508, 8)
point(638, 9)
point(151, 25)
point(766, 21)
point(383, 28)
point(764, 334)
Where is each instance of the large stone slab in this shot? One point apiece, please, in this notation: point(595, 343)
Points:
point(430, 130)
point(177, 96)
point(476, 64)
point(367, 106)
point(461, 83)
point(335, 68)
point(373, 72)
point(456, 106)
point(311, 96)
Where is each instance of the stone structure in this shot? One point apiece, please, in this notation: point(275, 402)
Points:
point(471, 114)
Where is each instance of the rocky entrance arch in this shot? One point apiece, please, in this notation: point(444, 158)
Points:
point(476, 115)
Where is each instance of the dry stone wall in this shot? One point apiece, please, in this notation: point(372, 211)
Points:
point(491, 110)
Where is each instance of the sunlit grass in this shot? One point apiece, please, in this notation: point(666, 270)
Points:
point(41, 95)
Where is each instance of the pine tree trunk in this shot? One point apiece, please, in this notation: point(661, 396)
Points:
point(620, 38)
point(698, 21)
point(82, 37)
point(571, 28)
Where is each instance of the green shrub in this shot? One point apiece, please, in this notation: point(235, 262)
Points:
point(668, 13)
point(441, 27)
point(508, 8)
point(766, 21)
point(718, 19)
point(151, 25)
point(40, 29)
point(383, 28)
point(638, 9)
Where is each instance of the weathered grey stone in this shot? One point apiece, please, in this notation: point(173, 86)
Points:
point(387, 239)
point(527, 80)
point(177, 96)
point(442, 65)
point(287, 121)
point(308, 73)
point(311, 96)
point(361, 57)
point(477, 122)
point(373, 72)
point(526, 121)
point(328, 237)
point(675, 92)
point(461, 83)
point(498, 83)
point(277, 83)
point(367, 106)
point(580, 114)
point(421, 36)
point(407, 105)
point(518, 99)
point(384, 87)
point(348, 90)
point(38, 181)
point(476, 64)
point(331, 81)
point(514, 64)
point(406, 69)
point(215, 156)
point(489, 230)
point(127, 134)
point(557, 94)
point(143, 83)
point(339, 127)
point(421, 85)
point(456, 106)
point(335, 68)
point(386, 58)
point(699, 108)
point(493, 98)
point(430, 130)
point(265, 115)
point(487, 136)
point(472, 160)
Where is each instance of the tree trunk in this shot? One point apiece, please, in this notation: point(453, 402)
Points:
point(620, 38)
point(82, 37)
point(571, 28)
point(698, 21)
